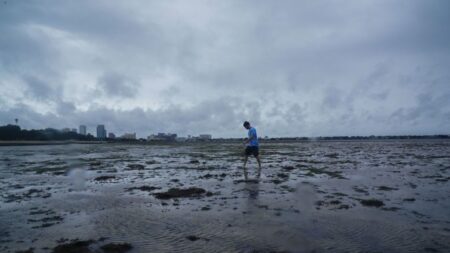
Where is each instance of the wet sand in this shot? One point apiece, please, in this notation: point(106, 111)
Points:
point(355, 196)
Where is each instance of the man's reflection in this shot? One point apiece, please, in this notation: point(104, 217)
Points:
point(252, 191)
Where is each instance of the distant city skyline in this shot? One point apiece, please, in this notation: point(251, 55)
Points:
point(291, 68)
point(84, 130)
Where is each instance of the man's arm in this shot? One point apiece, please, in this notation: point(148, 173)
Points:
point(252, 136)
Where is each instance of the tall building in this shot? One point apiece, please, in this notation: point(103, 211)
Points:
point(101, 132)
point(82, 129)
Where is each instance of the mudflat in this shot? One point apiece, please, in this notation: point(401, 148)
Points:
point(324, 196)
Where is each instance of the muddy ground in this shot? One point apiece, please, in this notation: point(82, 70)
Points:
point(356, 196)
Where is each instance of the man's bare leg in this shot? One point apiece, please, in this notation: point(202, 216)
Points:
point(259, 167)
point(245, 168)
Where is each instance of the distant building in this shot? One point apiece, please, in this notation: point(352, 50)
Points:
point(111, 136)
point(82, 130)
point(162, 137)
point(128, 136)
point(65, 130)
point(101, 132)
point(181, 139)
point(73, 130)
point(205, 137)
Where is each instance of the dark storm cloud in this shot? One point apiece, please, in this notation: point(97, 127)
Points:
point(428, 108)
point(115, 84)
point(27, 117)
point(65, 108)
point(40, 89)
point(292, 67)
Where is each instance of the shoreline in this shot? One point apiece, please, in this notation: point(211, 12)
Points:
point(214, 141)
point(33, 143)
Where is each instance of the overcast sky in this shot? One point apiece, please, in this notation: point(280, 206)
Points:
point(291, 68)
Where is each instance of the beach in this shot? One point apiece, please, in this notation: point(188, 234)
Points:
point(313, 196)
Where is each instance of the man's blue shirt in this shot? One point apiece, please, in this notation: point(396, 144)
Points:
point(253, 137)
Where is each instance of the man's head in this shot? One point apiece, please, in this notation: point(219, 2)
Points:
point(247, 125)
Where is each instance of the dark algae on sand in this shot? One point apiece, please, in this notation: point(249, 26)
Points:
point(181, 193)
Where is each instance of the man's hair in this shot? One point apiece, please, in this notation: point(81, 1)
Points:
point(246, 123)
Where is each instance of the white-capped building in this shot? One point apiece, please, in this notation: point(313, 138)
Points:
point(82, 130)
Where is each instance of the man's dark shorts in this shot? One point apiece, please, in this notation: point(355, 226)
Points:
point(252, 150)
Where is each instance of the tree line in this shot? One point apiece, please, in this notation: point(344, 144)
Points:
point(14, 132)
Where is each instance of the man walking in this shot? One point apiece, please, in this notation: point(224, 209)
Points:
point(251, 149)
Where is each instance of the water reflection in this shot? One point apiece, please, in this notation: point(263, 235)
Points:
point(252, 189)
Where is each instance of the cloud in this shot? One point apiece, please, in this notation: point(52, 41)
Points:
point(39, 89)
point(294, 68)
point(114, 84)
